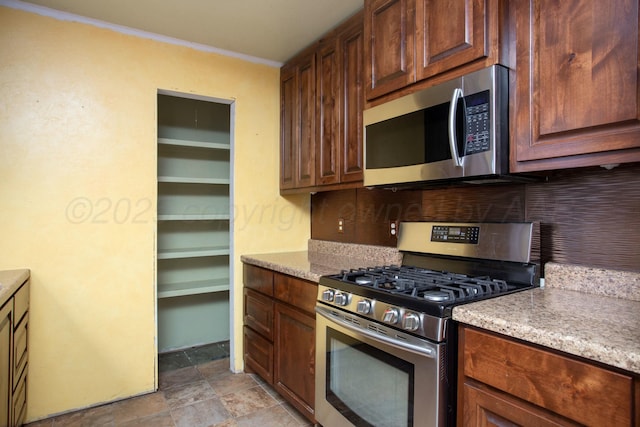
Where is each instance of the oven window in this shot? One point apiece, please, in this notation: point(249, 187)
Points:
point(366, 385)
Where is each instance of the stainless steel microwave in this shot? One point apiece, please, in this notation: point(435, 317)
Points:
point(454, 131)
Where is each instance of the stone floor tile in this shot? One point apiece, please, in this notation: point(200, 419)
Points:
point(48, 422)
point(272, 392)
point(275, 416)
point(188, 394)
point(172, 361)
point(139, 407)
point(300, 419)
point(162, 419)
point(206, 353)
point(247, 401)
point(93, 417)
point(201, 414)
point(179, 377)
point(217, 368)
point(232, 383)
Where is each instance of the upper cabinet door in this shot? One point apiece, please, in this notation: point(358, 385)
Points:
point(328, 113)
point(351, 48)
point(288, 125)
point(576, 94)
point(389, 29)
point(297, 123)
point(449, 34)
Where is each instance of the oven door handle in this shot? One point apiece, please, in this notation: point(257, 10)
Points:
point(399, 344)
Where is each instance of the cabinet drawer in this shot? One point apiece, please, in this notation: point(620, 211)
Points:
point(258, 313)
point(20, 349)
point(20, 401)
point(577, 390)
point(258, 354)
point(258, 278)
point(20, 303)
point(299, 293)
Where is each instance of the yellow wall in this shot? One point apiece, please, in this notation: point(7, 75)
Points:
point(78, 194)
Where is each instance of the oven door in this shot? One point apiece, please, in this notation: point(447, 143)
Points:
point(370, 375)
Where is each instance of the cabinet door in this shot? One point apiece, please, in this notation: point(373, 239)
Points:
point(449, 34)
point(485, 407)
point(258, 354)
point(297, 139)
point(294, 370)
point(389, 30)
point(6, 366)
point(351, 48)
point(328, 113)
point(288, 125)
point(576, 94)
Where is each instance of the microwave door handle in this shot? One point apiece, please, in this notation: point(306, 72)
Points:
point(457, 94)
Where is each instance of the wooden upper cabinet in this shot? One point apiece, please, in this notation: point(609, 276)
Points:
point(297, 127)
point(576, 94)
point(449, 34)
point(288, 125)
point(389, 28)
point(351, 48)
point(328, 113)
point(409, 41)
point(322, 98)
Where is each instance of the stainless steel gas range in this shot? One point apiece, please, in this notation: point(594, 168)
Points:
point(386, 346)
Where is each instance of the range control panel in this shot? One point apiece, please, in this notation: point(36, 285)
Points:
point(455, 234)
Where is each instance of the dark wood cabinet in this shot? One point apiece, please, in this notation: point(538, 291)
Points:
point(297, 127)
point(279, 334)
point(409, 41)
point(321, 113)
point(14, 320)
point(6, 363)
point(294, 370)
point(503, 381)
point(450, 34)
point(389, 29)
point(576, 99)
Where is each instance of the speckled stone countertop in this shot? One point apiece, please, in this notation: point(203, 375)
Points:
point(324, 257)
point(10, 281)
point(592, 313)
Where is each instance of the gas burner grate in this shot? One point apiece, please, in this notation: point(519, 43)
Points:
point(420, 283)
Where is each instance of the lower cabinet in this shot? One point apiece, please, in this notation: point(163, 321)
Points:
point(279, 334)
point(13, 358)
point(506, 382)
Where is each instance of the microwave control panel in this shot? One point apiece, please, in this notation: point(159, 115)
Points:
point(477, 125)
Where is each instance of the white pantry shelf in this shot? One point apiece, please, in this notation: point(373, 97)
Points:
point(172, 290)
point(192, 143)
point(191, 180)
point(192, 252)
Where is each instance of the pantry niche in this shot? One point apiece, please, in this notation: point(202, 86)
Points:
point(193, 218)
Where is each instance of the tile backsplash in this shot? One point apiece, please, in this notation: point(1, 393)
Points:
point(588, 217)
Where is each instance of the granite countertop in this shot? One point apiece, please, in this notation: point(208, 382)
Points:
point(10, 281)
point(587, 312)
point(582, 311)
point(324, 257)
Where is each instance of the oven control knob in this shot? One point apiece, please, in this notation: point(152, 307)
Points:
point(364, 306)
point(411, 322)
point(390, 316)
point(328, 295)
point(341, 299)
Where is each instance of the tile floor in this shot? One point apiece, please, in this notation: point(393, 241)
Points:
point(196, 389)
